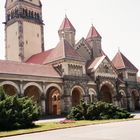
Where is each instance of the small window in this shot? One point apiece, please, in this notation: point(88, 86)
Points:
point(106, 68)
point(26, 42)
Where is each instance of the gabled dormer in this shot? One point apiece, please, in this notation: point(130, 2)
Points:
point(84, 49)
point(102, 66)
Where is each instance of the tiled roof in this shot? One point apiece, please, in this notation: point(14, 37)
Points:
point(11, 67)
point(66, 24)
point(93, 64)
point(39, 58)
point(92, 33)
point(63, 50)
point(121, 62)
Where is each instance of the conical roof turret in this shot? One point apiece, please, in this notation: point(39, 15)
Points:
point(66, 25)
point(93, 33)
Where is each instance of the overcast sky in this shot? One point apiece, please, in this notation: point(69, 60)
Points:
point(117, 21)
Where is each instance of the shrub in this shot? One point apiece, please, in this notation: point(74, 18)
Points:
point(17, 112)
point(97, 111)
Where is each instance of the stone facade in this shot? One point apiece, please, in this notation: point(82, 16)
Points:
point(59, 78)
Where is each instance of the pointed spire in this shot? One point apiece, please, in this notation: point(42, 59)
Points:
point(121, 62)
point(66, 24)
point(93, 33)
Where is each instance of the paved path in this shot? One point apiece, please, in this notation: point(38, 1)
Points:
point(50, 120)
point(137, 115)
point(129, 130)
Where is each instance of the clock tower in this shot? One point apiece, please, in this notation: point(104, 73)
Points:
point(24, 34)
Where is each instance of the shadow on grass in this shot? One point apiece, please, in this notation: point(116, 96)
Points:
point(8, 129)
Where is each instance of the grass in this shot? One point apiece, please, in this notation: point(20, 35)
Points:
point(40, 127)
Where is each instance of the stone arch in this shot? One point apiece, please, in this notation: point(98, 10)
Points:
point(76, 93)
point(135, 99)
point(33, 90)
point(107, 91)
point(33, 84)
point(53, 85)
point(123, 99)
point(10, 87)
point(93, 95)
point(53, 99)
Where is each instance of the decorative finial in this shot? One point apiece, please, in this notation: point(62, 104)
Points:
point(92, 22)
point(118, 49)
point(65, 13)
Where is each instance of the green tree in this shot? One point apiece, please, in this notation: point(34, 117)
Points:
point(97, 111)
point(17, 112)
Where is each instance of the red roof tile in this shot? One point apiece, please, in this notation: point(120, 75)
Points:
point(121, 62)
point(92, 33)
point(63, 50)
point(39, 58)
point(66, 24)
point(93, 64)
point(11, 67)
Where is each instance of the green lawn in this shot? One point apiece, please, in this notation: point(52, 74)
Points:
point(56, 125)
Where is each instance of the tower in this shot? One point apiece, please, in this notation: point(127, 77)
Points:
point(23, 29)
point(67, 31)
point(94, 40)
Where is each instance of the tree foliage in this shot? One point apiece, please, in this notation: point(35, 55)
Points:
point(97, 111)
point(17, 112)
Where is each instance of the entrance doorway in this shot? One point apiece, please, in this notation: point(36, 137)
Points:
point(106, 95)
point(53, 102)
point(76, 97)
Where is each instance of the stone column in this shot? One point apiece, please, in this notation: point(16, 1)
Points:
point(86, 98)
point(131, 104)
point(21, 89)
point(43, 100)
point(43, 105)
point(67, 103)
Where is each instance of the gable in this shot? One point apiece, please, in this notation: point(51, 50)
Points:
point(83, 49)
point(106, 69)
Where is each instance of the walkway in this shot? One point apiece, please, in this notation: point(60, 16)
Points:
point(128, 130)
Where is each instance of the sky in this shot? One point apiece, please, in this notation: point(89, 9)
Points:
point(117, 21)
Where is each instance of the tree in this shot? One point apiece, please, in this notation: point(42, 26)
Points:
point(97, 111)
point(17, 112)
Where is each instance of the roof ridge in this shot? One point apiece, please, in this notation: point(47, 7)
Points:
point(122, 58)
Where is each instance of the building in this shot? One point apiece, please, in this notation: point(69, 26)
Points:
point(58, 78)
